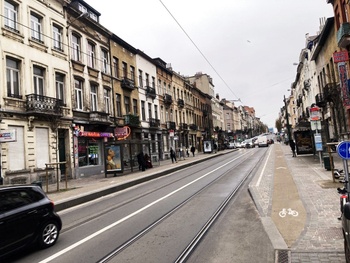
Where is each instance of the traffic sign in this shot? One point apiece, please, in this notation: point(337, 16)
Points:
point(343, 150)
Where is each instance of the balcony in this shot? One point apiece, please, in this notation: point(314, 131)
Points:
point(97, 117)
point(132, 120)
point(154, 123)
point(151, 92)
point(193, 127)
point(170, 125)
point(343, 35)
point(307, 84)
point(180, 103)
point(38, 104)
point(184, 126)
point(128, 84)
point(168, 100)
point(320, 101)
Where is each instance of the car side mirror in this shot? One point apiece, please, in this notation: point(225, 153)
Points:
point(346, 210)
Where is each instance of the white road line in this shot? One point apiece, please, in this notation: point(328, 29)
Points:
point(130, 215)
point(263, 170)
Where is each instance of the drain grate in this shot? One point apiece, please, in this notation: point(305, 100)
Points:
point(282, 256)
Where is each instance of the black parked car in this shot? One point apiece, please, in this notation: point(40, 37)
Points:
point(27, 217)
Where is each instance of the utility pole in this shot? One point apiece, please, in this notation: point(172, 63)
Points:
point(287, 118)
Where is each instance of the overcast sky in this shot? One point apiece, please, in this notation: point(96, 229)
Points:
point(251, 45)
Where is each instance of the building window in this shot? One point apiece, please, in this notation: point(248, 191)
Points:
point(140, 79)
point(38, 78)
point(156, 112)
point(147, 80)
point(60, 86)
point(127, 104)
point(149, 110)
point(153, 82)
point(132, 73)
point(105, 61)
point(134, 105)
point(125, 70)
point(11, 16)
point(143, 110)
point(115, 67)
point(57, 37)
point(89, 151)
point(13, 78)
point(107, 99)
point(76, 47)
point(82, 8)
point(162, 114)
point(36, 27)
point(93, 97)
point(118, 105)
point(78, 92)
point(91, 55)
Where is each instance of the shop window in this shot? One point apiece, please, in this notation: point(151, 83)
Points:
point(89, 151)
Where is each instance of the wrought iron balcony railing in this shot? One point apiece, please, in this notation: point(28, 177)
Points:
point(154, 123)
point(151, 92)
point(128, 84)
point(43, 105)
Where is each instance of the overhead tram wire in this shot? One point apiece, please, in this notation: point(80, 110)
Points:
point(207, 60)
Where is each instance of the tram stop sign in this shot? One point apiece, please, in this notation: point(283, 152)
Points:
point(343, 150)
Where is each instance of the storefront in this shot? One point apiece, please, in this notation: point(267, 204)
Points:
point(89, 151)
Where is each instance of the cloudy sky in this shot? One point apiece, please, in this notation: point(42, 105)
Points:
point(248, 47)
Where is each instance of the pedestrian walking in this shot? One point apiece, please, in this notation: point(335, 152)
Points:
point(292, 147)
point(193, 150)
point(172, 155)
point(141, 161)
point(187, 153)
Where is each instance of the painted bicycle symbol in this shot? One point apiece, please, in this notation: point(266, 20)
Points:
point(288, 211)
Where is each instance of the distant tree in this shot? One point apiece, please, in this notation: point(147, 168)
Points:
point(278, 125)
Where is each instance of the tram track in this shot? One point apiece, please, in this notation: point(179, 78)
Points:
point(183, 256)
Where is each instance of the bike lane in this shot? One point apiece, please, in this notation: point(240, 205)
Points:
point(287, 211)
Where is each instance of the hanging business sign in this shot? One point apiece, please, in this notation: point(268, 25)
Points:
point(121, 133)
point(343, 77)
point(8, 136)
point(341, 56)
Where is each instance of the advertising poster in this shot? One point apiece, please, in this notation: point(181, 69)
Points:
point(113, 158)
point(207, 147)
point(303, 141)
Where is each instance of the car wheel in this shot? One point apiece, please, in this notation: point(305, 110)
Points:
point(48, 234)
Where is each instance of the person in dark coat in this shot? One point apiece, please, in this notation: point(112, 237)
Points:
point(292, 147)
point(172, 155)
point(141, 161)
point(193, 150)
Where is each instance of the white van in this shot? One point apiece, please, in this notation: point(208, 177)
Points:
point(262, 141)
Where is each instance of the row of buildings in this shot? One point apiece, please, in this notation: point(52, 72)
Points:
point(319, 100)
point(76, 97)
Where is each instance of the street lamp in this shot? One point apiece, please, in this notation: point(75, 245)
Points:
point(287, 117)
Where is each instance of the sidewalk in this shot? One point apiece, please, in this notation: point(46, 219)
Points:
point(282, 182)
point(305, 186)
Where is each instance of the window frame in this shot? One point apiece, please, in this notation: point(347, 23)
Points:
point(15, 92)
point(105, 61)
point(36, 26)
point(11, 15)
point(94, 97)
point(78, 94)
point(118, 101)
point(90, 53)
point(107, 99)
point(57, 37)
point(76, 47)
point(39, 80)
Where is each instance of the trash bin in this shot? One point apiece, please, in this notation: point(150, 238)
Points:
point(327, 163)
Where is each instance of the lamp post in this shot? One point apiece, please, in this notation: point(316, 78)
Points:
point(287, 117)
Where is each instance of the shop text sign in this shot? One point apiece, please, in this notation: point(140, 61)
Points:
point(341, 56)
point(8, 136)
